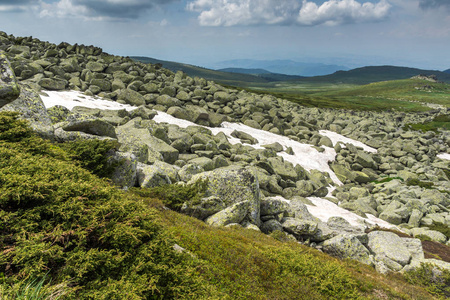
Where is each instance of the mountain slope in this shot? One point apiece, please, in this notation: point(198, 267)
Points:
point(288, 67)
point(447, 71)
point(371, 74)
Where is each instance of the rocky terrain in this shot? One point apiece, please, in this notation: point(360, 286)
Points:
point(403, 180)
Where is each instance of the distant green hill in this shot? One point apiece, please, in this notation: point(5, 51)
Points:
point(366, 75)
point(447, 71)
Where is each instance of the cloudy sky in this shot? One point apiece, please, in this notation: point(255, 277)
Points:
point(414, 33)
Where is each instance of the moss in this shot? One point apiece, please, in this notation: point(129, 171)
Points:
point(417, 182)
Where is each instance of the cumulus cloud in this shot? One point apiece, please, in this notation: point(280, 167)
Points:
point(431, 4)
point(335, 12)
point(100, 9)
point(276, 12)
point(244, 12)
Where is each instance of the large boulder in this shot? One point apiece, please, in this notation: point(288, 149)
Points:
point(389, 249)
point(347, 246)
point(231, 215)
point(9, 88)
point(151, 176)
point(233, 185)
point(89, 124)
point(125, 164)
point(31, 108)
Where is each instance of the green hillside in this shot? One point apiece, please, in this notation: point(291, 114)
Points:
point(403, 95)
point(371, 74)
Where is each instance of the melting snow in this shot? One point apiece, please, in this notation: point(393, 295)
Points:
point(444, 156)
point(336, 137)
point(305, 155)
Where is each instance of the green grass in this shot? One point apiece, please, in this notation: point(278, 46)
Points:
point(401, 95)
point(439, 122)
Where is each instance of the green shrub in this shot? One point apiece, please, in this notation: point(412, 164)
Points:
point(174, 195)
point(435, 281)
point(422, 184)
point(60, 219)
point(92, 155)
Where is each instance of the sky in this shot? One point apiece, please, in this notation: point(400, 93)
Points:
point(352, 33)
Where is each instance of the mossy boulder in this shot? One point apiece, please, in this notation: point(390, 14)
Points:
point(9, 88)
point(347, 246)
point(233, 185)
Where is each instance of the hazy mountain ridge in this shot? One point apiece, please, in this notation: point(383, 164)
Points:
point(288, 67)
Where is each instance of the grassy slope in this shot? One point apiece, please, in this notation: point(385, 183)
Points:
point(94, 241)
point(404, 95)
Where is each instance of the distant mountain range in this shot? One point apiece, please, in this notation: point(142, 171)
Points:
point(371, 74)
point(244, 77)
point(447, 71)
point(288, 67)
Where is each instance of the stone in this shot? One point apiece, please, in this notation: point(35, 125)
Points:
point(233, 214)
point(273, 206)
point(189, 170)
point(151, 176)
point(390, 246)
point(431, 235)
point(283, 168)
point(130, 97)
point(53, 84)
point(244, 137)
point(204, 208)
point(347, 246)
point(9, 88)
point(124, 175)
point(31, 108)
point(299, 227)
point(233, 185)
point(271, 226)
point(90, 125)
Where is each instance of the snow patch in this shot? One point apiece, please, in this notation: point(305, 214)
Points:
point(445, 156)
point(336, 137)
point(70, 99)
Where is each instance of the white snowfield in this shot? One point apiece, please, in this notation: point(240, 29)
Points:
point(445, 156)
point(304, 155)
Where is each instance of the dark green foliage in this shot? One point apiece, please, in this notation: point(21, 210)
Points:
point(439, 122)
point(443, 228)
point(435, 282)
point(387, 179)
point(92, 155)
point(58, 218)
point(422, 184)
point(174, 195)
point(15, 133)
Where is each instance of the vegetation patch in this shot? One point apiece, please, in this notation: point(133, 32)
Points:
point(426, 277)
point(438, 123)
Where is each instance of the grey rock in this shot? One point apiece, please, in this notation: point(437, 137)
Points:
point(9, 88)
point(347, 246)
point(388, 245)
point(233, 185)
point(233, 214)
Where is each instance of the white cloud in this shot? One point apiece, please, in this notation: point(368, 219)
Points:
point(244, 12)
point(336, 12)
point(276, 12)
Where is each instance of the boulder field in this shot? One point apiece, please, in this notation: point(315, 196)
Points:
point(265, 161)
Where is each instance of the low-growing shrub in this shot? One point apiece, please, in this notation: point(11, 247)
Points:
point(92, 155)
point(174, 195)
point(434, 280)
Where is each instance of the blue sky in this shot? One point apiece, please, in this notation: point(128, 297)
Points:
point(414, 33)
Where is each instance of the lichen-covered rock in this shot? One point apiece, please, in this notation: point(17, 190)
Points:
point(151, 176)
point(31, 108)
point(130, 97)
point(204, 208)
point(389, 247)
point(233, 214)
point(271, 226)
point(432, 235)
point(347, 246)
point(189, 170)
point(299, 227)
point(89, 124)
point(9, 88)
point(53, 84)
point(124, 175)
point(273, 206)
point(233, 185)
